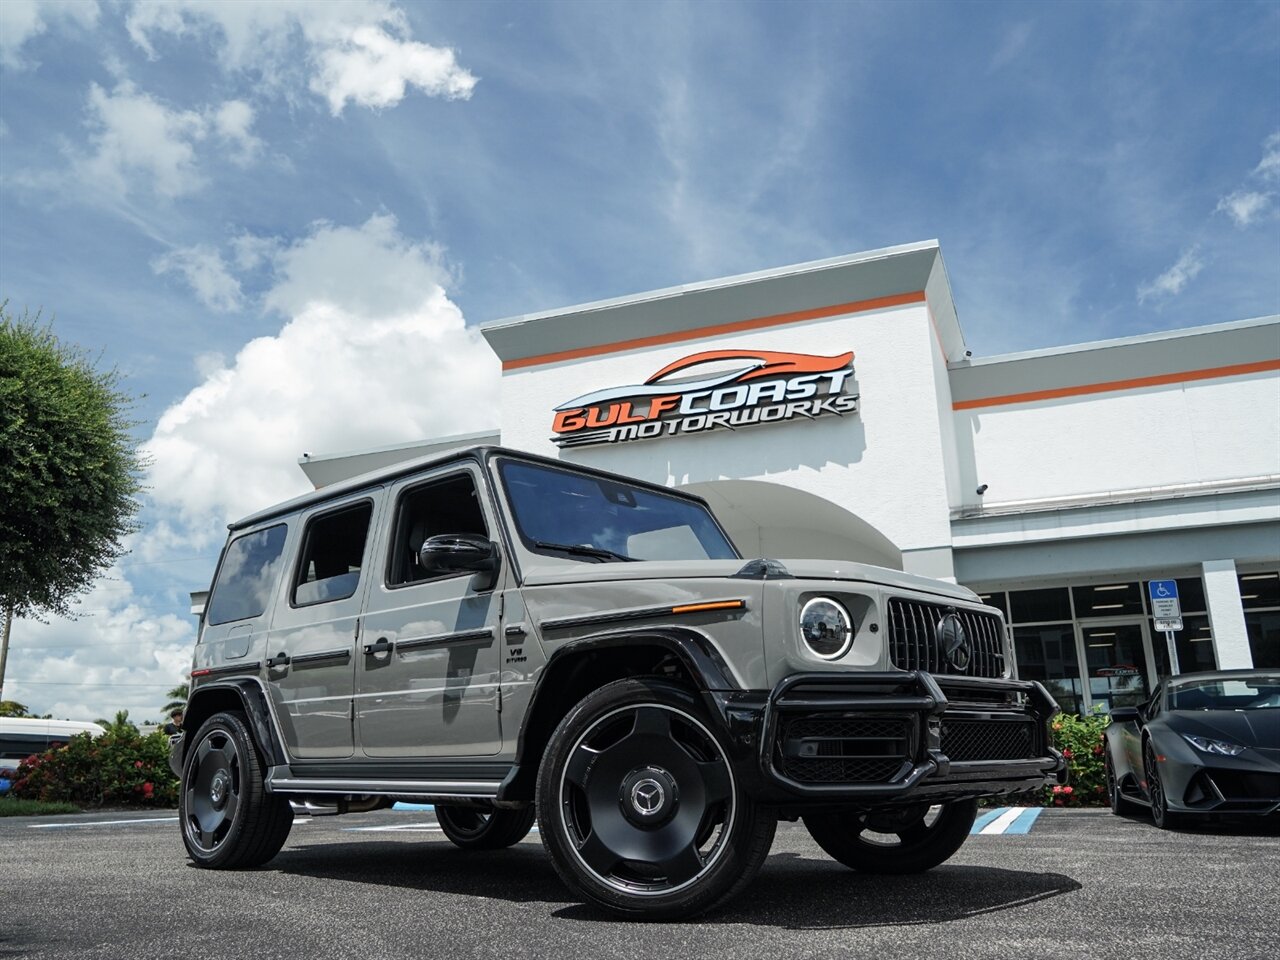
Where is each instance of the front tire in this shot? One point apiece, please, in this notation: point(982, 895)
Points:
point(227, 817)
point(910, 840)
point(473, 828)
point(639, 806)
point(1120, 805)
point(1161, 815)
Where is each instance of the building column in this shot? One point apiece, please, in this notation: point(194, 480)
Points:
point(1226, 614)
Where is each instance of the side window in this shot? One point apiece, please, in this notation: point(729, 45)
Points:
point(247, 576)
point(332, 552)
point(444, 506)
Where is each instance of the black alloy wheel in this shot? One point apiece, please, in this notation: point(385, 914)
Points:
point(479, 828)
point(1161, 815)
point(904, 840)
point(639, 806)
point(227, 817)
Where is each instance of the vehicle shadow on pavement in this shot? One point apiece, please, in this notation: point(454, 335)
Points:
point(817, 895)
point(791, 892)
point(521, 874)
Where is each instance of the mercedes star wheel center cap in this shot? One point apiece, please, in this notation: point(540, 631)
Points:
point(218, 789)
point(649, 797)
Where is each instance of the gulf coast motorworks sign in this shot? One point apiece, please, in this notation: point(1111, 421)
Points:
point(714, 389)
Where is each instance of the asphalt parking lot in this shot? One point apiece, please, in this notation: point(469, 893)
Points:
point(387, 884)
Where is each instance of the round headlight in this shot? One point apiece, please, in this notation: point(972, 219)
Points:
point(826, 628)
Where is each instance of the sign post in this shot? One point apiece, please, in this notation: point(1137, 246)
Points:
point(1166, 610)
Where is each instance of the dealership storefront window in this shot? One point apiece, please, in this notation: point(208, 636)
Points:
point(1260, 597)
point(1107, 628)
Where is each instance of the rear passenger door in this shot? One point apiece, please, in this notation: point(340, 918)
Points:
point(427, 670)
point(311, 650)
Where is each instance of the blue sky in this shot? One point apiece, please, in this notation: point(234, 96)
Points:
point(249, 207)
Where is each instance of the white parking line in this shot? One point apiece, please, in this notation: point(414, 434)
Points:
point(1001, 823)
point(396, 827)
point(99, 823)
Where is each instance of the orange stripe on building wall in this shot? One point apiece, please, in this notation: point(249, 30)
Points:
point(1160, 379)
point(738, 326)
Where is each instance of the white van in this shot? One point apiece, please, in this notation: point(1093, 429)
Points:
point(20, 737)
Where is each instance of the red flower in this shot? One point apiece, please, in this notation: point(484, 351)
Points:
point(1067, 790)
point(1057, 788)
point(1058, 801)
point(1066, 752)
point(148, 789)
point(137, 764)
point(1097, 749)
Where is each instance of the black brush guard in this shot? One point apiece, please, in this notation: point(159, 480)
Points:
point(905, 736)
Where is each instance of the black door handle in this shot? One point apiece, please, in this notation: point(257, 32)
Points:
point(381, 645)
point(281, 659)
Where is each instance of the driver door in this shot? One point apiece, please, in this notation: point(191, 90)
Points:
point(427, 667)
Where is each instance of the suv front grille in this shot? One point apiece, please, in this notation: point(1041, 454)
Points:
point(914, 643)
point(836, 749)
point(971, 740)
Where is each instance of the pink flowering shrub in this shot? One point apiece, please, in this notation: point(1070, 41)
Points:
point(121, 768)
point(1081, 741)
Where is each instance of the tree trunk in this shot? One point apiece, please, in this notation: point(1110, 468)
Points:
point(4, 647)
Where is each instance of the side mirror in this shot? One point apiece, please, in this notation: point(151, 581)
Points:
point(1126, 715)
point(461, 552)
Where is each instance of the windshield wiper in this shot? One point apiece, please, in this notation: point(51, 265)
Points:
point(584, 550)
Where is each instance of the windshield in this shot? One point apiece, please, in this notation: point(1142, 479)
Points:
point(597, 520)
point(1251, 693)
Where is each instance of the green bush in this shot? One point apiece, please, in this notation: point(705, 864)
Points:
point(1080, 738)
point(120, 768)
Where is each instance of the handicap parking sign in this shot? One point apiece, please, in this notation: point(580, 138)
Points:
point(1164, 599)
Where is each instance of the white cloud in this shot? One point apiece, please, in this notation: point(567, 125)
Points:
point(251, 251)
point(20, 20)
point(373, 69)
point(1244, 206)
point(205, 271)
point(355, 51)
point(233, 121)
point(1174, 280)
point(1269, 166)
point(140, 143)
point(1015, 41)
point(120, 654)
point(136, 137)
point(373, 352)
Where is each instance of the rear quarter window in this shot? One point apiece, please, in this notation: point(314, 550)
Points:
point(249, 573)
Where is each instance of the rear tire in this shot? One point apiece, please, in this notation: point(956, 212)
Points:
point(473, 828)
point(864, 841)
point(228, 819)
point(640, 807)
point(1120, 805)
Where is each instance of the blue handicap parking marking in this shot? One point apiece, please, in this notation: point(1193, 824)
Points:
point(413, 806)
point(1005, 820)
point(985, 818)
point(1025, 820)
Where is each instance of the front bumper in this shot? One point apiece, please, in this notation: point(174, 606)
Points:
point(897, 737)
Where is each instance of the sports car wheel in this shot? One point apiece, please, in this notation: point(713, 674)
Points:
point(473, 828)
point(1161, 815)
point(639, 806)
point(228, 819)
point(909, 840)
point(1120, 805)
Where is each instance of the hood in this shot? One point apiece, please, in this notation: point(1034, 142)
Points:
point(554, 572)
point(1249, 728)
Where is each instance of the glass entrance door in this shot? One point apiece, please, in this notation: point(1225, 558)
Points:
point(1117, 657)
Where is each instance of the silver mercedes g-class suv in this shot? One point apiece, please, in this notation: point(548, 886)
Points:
point(510, 637)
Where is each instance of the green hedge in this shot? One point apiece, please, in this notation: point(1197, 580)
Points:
point(1080, 738)
point(120, 768)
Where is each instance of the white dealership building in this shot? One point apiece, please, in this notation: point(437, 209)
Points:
point(833, 410)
